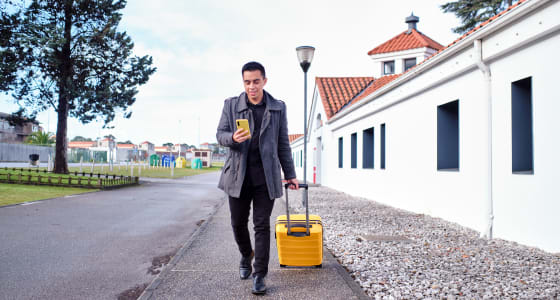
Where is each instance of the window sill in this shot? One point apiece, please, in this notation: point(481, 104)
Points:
point(528, 172)
point(449, 170)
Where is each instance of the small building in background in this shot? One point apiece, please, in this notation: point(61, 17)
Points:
point(10, 133)
point(127, 152)
point(205, 155)
point(146, 149)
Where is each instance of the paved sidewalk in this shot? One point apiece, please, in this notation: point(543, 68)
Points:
point(207, 268)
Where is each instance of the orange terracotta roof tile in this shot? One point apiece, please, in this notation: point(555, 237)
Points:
point(374, 86)
point(81, 144)
point(294, 137)
point(378, 84)
point(126, 146)
point(481, 25)
point(338, 91)
point(406, 41)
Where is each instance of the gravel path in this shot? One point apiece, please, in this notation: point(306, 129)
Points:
point(395, 254)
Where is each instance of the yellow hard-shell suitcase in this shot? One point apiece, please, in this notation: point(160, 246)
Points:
point(299, 238)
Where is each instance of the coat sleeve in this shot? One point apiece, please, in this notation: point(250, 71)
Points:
point(224, 134)
point(284, 150)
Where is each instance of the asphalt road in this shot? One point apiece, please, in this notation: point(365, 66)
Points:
point(98, 245)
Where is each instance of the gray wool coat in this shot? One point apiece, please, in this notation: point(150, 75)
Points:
point(274, 145)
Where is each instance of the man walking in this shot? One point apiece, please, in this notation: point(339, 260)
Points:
point(252, 169)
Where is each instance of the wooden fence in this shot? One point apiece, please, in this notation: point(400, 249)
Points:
point(79, 180)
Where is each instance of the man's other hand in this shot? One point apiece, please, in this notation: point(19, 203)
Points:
point(240, 135)
point(294, 185)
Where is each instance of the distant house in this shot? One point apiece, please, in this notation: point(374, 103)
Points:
point(15, 133)
point(146, 149)
point(179, 149)
point(162, 150)
point(82, 144)
point(127, 152)
point(205, 155)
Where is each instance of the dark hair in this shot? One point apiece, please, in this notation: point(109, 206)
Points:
point(253, 66)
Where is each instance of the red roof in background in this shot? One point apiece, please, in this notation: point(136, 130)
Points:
point(81, 144)
point(126, 145)
point(406, 41)
point(375, 85)
point(294, 137)
point(337, 91)
point(146, 142)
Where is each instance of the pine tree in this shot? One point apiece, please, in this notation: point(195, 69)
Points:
point(68, 54)
point(474, 12)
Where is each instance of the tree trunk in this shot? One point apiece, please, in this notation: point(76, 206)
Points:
point(61, 158)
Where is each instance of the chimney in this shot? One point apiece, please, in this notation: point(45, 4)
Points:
point(411, 21)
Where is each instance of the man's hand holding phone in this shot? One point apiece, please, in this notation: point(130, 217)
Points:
point(241, 135)
point(243, 132)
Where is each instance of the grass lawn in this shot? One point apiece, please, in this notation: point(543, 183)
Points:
point(148, 172)
point(18, 193)
point(66, 178)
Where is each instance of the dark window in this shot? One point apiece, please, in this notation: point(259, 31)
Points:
point(354, 150)
point(521, 126)
point(448, 136)
point(409, 63)
point(383, 146)
point(367, 151)
point(389, 67)
point(340, 152)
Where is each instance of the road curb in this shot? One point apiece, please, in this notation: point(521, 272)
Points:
point(149, 291)
point(41, 200)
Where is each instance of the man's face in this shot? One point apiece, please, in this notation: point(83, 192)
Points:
point(254, 83)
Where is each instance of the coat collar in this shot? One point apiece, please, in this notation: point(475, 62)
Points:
point(271, 103)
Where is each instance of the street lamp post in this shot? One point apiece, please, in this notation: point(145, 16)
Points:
point(305, 56)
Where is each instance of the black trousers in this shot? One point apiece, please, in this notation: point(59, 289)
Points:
point(262, 209)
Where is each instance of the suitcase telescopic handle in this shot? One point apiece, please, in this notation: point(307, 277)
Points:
point(306, 187)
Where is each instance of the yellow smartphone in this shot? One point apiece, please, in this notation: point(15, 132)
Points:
point(243, 123)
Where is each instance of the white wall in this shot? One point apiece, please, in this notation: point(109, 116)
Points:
point(525, 206)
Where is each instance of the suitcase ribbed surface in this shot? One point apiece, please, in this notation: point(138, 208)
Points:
point(299, 250)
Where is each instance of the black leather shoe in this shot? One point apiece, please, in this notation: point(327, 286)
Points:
point(245, 266)
point(259, 288)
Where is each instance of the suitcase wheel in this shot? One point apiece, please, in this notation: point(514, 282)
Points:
point(319, 266)
point(282, 266)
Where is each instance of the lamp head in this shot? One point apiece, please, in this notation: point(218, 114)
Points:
point(305, 56)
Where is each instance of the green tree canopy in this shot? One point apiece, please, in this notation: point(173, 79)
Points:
point(473, 12)
point(80, 138)
point(168, 144)
point(68, 54)
point(110, 136)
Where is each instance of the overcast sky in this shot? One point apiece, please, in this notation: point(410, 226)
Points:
point(200, 46)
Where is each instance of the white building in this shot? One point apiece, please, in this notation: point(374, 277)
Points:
point(469, 134)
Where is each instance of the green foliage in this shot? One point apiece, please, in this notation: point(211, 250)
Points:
point(40, 138)
point(80, 138)
point(473, 12)
point(168, 144)
point(19, 193)
point(69, 55)
point(125, 142)
point(19, 118)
